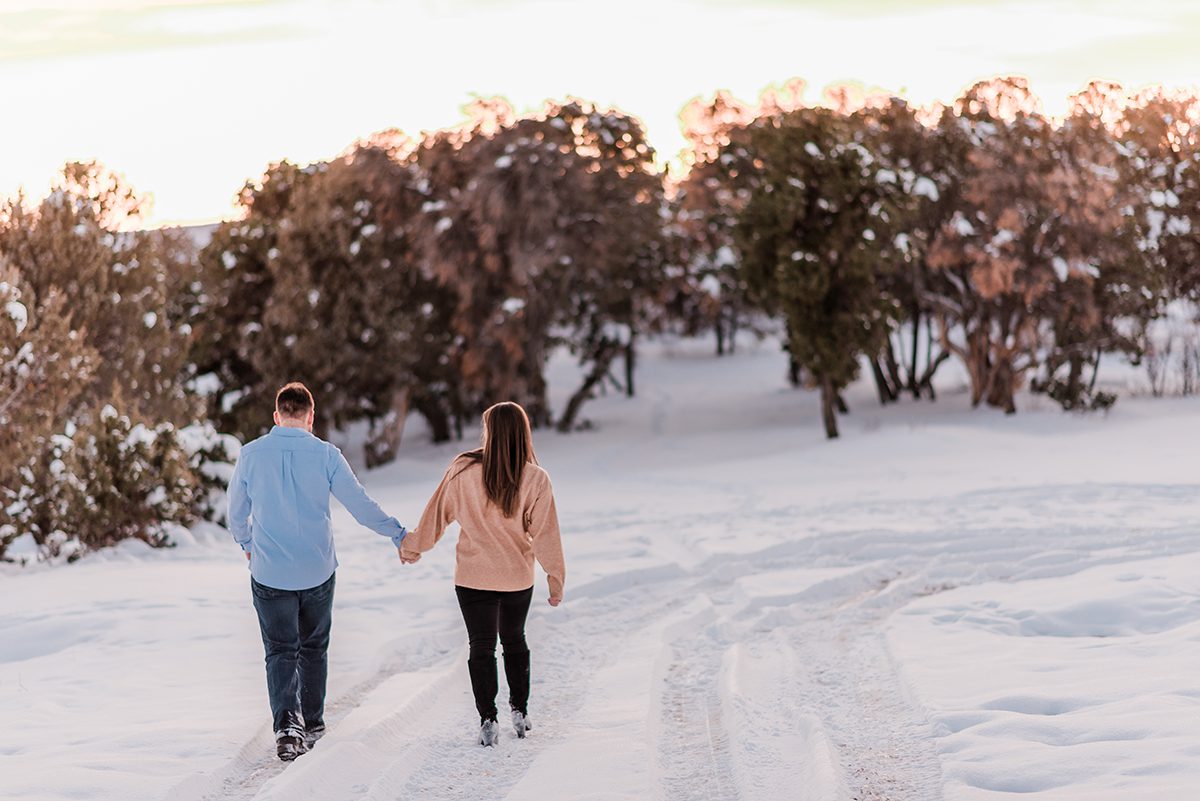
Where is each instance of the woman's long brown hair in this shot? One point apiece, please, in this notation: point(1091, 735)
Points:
point(507, 448)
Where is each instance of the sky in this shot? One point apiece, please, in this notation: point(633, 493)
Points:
point(190, 99)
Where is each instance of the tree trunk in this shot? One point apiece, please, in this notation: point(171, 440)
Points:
point(720, 331)
point(894, 379)
point(979, 368)
point(828, 412)
point(433, 409)
point(733, 329)
point(794, 371)
point(914, 383)
point(1075, 380)
point(384, 445)
point(630, 363)
point(926, 381)
point(841, 403)
point(1003, 387)
point(603, 361)
point(321, 426)
point(1095, 371)
point(881, 383)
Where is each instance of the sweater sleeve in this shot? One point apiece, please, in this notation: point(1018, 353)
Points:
point(541, 521)
point(439, 513)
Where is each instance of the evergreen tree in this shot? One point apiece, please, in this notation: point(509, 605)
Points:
point(809, 246)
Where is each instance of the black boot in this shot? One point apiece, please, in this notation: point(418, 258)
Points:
point(516, 669)
point(312, 734)
point(289, 744)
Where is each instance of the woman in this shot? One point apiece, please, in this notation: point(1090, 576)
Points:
point(504, 504)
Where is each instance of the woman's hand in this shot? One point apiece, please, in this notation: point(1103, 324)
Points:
point(554, 601)
point(408, 557)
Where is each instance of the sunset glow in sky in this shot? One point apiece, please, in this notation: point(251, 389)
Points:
point(190, 99)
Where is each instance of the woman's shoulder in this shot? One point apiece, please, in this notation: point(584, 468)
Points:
point(536, 475)
point(462, 462)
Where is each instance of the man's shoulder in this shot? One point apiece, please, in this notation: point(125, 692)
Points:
point(275, 443)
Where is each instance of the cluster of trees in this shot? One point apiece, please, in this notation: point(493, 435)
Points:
point(93, 360)
point(897, 238)
point(437, 275)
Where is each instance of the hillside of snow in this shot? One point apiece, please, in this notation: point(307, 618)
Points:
point(944, 603)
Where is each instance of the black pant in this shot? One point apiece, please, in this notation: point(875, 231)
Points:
point(295, 633)
point(488, 613)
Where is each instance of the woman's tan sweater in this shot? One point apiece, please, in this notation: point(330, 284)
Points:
point(494, 552)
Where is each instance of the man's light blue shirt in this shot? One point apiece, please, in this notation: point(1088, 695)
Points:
point(279, 507)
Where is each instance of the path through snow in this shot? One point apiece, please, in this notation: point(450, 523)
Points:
point(731, 590)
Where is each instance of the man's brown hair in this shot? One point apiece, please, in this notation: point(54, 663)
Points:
point(293, 401)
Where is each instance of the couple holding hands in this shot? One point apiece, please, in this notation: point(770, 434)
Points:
point(279, 514)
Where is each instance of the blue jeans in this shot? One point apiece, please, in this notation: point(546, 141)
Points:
point(295, 634)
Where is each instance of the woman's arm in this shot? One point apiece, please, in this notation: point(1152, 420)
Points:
point(438, 514)
point(541, 521)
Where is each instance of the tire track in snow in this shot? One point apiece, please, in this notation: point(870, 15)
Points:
point(711, 726)
point(256, 763)
point(569, 652)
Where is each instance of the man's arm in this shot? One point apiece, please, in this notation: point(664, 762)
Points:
point(346, 488)
point(238, 514)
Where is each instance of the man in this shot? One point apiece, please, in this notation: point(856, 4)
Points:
point(279, 514)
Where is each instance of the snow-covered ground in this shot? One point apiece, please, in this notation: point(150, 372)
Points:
point(945, 603)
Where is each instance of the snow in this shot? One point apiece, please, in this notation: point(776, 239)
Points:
point(925, 187)
point(443, 225)
point(206, 384)
point(725, 257)
point(811, 149)
point(18, 313)
point(230, 399)
point(944, 603)
point(1061, 269)
point(1178, 226)
point(1094, 670)
point(504, 162)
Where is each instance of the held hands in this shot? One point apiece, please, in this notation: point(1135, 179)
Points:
point(408, 557)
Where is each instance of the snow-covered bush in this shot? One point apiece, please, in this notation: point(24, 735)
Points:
point(116, 479)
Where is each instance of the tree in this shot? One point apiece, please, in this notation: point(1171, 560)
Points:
point(912, 167)
point(340, 300)
point(1101, 309)
point(809, 247)
point(93, 320)
point(1025, 235)
point(707, 201)
point(538, 224)
point(122, 284)
point(230, 298)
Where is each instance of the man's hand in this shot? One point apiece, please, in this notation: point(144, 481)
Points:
point(554, 601)
point(247, 556)
point(408, 557)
